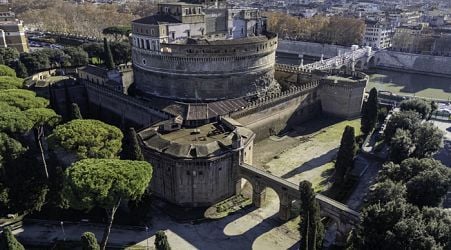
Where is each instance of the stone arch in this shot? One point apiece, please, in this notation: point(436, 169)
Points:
point(359, 65)
point(372, 62)
point(343, 68)
point(259, 196)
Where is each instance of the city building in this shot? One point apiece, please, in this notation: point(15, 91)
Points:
point(377, 35)
point(12, 32)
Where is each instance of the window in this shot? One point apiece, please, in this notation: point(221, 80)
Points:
point(144, 61)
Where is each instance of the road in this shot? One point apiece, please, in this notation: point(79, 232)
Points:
point(444, 155)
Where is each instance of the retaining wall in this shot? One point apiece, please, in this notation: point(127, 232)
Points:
point(416, 63)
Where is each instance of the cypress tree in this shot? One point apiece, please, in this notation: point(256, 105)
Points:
point(21, 70)
point(89, 241)
point(132, 150)
point(345, 155)
point(75, 112)
point(369, 112)
point(109, 61)
point(310, 227)
point(161, 241)
point(9, 242)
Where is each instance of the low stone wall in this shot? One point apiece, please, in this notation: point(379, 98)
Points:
point(311, 49)
point(416, 63)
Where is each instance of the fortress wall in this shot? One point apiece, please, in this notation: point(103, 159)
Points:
point(119, 109)
point(282, 116)
point(341, 100)
point(311, 49)
point(210, 75)
point(417, 63)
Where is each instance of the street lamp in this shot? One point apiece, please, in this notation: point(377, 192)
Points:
point(147, 238)
point(62, 228)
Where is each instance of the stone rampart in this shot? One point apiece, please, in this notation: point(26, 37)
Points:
point(416, 63)
point(118, 108)
point(272, 115)
point(207, 72)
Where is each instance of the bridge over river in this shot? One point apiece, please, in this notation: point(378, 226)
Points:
point(355, 59)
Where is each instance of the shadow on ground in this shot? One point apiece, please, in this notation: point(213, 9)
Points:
point(312, 164)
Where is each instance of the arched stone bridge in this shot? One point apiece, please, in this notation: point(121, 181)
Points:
point(288, 192)
point(353, 60)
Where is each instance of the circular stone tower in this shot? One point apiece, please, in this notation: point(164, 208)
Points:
point(201, 70)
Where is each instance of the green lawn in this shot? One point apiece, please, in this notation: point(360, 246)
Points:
point(335, 131)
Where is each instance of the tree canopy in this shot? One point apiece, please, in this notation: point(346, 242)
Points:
point(88, 138)
point(418, 105)
point(310, 226)
point(369, 112)
point(8, 55)
point(161, 241)
point(345, 155)
point(8, 241)
point(7, 71)
point(22, 99)
point(75, 112)
point(407, 120)
point(89, 241)
point(105, 183)
point(131, 149)
point(119, 32)
point(109, 60)
point(9, 82)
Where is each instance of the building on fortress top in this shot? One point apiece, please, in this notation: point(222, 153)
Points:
point(203, 52)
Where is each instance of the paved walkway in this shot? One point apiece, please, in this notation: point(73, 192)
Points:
point(247, 229)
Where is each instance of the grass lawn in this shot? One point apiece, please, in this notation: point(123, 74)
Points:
point(335, 131)
point(313, 157)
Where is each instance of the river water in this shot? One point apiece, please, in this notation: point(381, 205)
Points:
point(396, 82)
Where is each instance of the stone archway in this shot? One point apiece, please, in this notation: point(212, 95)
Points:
point(358, 65)
point(372, 62)
point(343, 68)
point(259, 195)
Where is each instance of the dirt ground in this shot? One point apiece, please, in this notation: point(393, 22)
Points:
point(304, 154)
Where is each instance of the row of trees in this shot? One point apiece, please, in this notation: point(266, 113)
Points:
point(69, 17)
point(403, 208)
point(97, 177)
point(23, 121)
point(88, 241)
point(26, 64)
point(332, 30)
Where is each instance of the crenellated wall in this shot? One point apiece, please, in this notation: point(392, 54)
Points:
point(121, 109)
point(277, 113)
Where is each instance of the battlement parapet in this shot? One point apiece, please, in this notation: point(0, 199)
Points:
point(120, 97)
point(275, 99)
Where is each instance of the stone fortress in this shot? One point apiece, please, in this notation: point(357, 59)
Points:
point(192, 52)
point(206, 88)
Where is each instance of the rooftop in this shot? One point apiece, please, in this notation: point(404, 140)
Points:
point(209, 140)
point(341, 79)
point(201, 135)
point(157, 19)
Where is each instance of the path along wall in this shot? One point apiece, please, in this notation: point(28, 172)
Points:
point(416, 63)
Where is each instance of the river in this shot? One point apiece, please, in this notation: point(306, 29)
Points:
point(394, 81)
